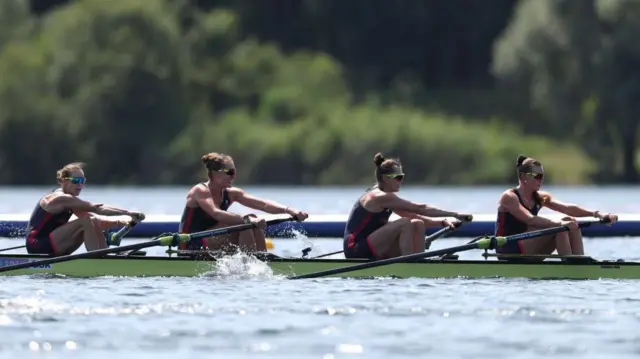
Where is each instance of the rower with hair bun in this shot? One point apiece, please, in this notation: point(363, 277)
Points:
point(207, 205)
point(518, 213)
point(368, 232)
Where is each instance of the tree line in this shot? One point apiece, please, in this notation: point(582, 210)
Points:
point(306, 91)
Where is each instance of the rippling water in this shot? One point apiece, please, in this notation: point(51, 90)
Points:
point(243, 311)
point(151, 318)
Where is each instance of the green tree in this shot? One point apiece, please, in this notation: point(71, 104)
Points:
point(575, 62)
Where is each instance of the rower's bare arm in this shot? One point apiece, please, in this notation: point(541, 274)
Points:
point(395, 203)
point(569, 209)
point(206, 203)
point(107, 222)
point(510, 203)
point(406, 214)
point(428, 221)
point(247, 200)
point(76, 204)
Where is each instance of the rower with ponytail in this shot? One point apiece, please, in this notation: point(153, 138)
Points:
point(518, 210)
point(368, 232)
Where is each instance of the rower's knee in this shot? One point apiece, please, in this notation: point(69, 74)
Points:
point(417, 225)
point(562, 236)
point(403, 223)
point(86, 221)
point(576, 230)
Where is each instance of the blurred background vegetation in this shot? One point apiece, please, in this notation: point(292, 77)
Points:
point(307, 91)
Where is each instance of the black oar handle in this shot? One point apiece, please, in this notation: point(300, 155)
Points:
point(123, 231)
point(467, 218)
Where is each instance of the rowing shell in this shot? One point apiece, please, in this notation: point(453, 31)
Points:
point(162, 266)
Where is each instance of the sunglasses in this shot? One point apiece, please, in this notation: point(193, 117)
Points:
point(76, 180)
point(396, 176)
point(537, 176)
point(228, 171)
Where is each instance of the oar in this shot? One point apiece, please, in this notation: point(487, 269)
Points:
point(10, 248)
point(427, 241)
point(164, 240)
point(113, 239)
point(464, 219)
point(485, 243)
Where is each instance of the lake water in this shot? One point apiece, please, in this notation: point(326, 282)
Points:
point(233, 313)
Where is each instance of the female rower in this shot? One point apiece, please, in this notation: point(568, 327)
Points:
point(207, 204)
point(368, 234)
point(518, 212)
point(51, 232)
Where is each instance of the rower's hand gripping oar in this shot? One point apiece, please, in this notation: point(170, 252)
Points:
point(485, 243)
point(164, 240)
point(463, 219)
point(113, 239)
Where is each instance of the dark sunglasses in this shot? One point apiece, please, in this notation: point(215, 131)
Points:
point(228, 171)
point(537, 176)
point(76, 180)
point(396, 176)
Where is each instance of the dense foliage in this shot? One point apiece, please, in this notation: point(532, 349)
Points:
point(307, 91)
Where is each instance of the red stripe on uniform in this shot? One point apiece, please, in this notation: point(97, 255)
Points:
point(373, 251)
point(186, 228)
point(500, 224)
point(52, 244)
point(351, 241)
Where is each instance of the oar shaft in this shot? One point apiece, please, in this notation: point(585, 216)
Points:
point(326, 255)
point(10, 248)
point(235, 228)
point(114, 238)
point(124, 230)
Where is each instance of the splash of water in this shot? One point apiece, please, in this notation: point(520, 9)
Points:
point(240, 266)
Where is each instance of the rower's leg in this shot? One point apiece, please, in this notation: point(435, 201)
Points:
point(540, 245)
point(67, 238)
point(225, 242)
point(563, 245)
point(260, 242)
point(575, 240)
point(93, 236)
point(418, 228)
point(247, 242)
point(547, 244)
point(393, 236)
